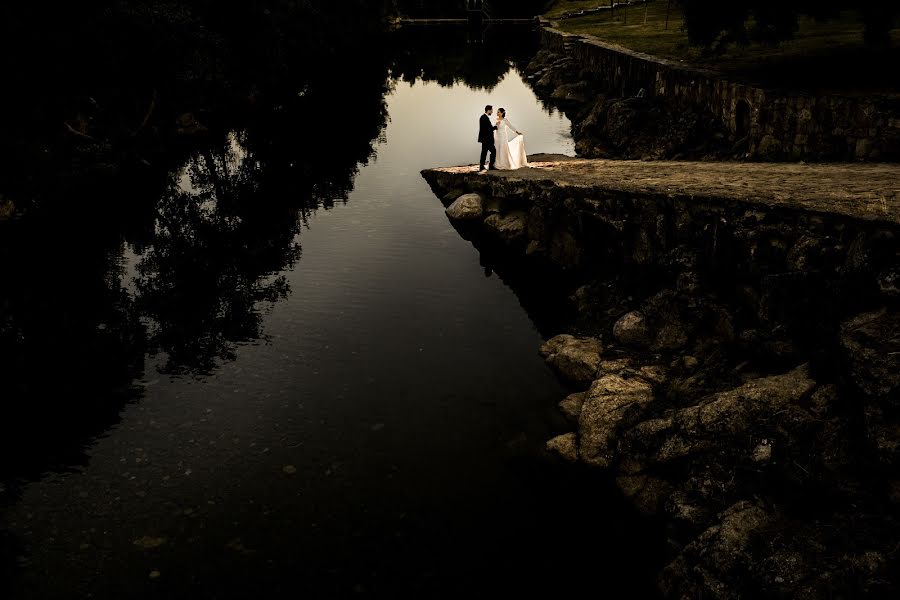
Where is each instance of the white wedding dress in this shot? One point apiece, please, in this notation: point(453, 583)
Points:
point(510, 152)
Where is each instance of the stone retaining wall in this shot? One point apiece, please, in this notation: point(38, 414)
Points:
point(780, 125)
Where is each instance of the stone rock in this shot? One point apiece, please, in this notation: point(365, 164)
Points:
point(632, 330)
point(509, 228)
point(575, 359)
point(769, 148)
point(534, 248)
point(871, 343)
point(762, 453)
point(716, 421)
point(869, 253)
point(618, 366)
point(889, 282)
point(577, 93)
point(7, 208)
point(681, 507)
point(565, 445)
point(492, 206)
point(628, 369)
point(709, 566)
point(540, 60)
point(467, 207)
point(450, 197)
point(649, 128)
point(671, 337)
point(612, 403)
point(648, 494)
point(653, 374)
point(824, 401)
point(663, 313)
point(805, 254)
point(571, 405)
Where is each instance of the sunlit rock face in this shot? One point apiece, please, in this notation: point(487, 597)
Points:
point(575, 359)
point(466, 207)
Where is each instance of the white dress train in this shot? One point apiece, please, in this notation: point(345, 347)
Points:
point(510, 152)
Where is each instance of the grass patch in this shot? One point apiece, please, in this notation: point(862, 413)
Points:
point(823, 57)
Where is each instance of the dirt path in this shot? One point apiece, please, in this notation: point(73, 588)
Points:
point(861, 191)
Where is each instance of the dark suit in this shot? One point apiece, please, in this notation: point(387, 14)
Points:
point(486, 139)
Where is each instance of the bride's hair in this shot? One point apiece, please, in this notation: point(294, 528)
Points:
point(501, 111)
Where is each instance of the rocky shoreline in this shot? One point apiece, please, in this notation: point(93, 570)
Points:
point(734, 363)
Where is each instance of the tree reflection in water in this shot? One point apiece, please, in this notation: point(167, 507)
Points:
point(450, 55)
point(210, 243)
point(229, 222)
point(212, 258)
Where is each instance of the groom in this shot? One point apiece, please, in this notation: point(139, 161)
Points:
point(486, 138)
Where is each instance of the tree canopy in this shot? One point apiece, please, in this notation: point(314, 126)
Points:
point(717, 23)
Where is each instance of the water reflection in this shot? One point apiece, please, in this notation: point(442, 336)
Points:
point(186, 276)
point(71, 344)
point(451, 55)
point(206, 254)
point(214, 256)
point(358, 369)
point(190, 275)
point(229, 222)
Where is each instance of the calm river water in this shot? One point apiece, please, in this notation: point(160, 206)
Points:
point(343, 404)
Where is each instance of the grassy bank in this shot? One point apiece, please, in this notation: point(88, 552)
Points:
point(824, 57)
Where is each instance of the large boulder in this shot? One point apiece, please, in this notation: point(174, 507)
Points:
point(718, 420)
point(712, 565)
point(632, 330)
point(509, 228)
point(889, 282)
point(666, 321)
point(571, 405)
point(612, 404)
point(648, 494)
point(7, 208)
point(871, 345)
point(451, 197)
point(564, 445)
point(467, 207)
point(575, 359)
point(751, 551)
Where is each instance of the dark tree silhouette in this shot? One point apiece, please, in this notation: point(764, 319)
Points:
point(715, 24)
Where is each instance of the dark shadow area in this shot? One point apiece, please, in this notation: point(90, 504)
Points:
point(457, 9)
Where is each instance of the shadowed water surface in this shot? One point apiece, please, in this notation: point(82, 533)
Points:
point(329, 398)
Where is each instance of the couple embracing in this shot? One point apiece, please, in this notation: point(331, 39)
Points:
point(506, 153)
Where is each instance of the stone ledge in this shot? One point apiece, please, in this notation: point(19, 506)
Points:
point(866, 192)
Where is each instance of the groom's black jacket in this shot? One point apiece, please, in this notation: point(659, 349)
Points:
point(486, 130)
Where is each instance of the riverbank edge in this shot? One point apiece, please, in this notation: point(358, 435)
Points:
point(588, 76)
point(694, 441)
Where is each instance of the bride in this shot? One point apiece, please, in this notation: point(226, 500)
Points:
point(510, 153)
